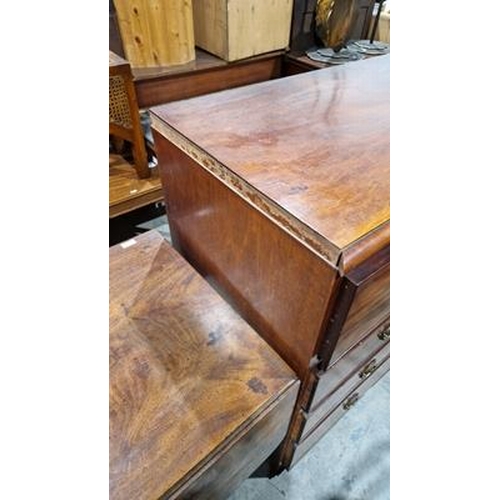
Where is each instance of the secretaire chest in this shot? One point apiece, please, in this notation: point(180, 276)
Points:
point(278, 193)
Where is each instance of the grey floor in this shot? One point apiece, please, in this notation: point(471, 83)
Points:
point(351, 462)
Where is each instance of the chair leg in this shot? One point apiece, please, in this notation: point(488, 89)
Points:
point(140, 155)
point(139, 142)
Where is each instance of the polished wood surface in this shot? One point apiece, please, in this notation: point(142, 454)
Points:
point(192, 387)
point(263, 271)
point(358, 254)
point(207, 74)
point(242, 456)
point(282, 203)
point(334, 127)
point(127, 191)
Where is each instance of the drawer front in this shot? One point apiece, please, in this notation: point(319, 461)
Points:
point(310, 438)
point(352, 360)
point(369, 369)
point(369, 307)
point(370, 341)
point(363, 302)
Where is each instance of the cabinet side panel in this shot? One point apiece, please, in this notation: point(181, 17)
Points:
point(156, 33)
point(210, 26)
point(277, 284)
point(257, 27)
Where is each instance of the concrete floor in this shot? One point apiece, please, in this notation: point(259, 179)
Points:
point(351, 462)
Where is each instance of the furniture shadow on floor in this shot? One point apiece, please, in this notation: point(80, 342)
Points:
point(351, 462)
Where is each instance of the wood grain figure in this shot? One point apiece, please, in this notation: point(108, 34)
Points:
point(197, 399)
point(238, 29)
point(155, 32)
point(279, 196)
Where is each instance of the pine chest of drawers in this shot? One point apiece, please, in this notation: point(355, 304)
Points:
point(278, 193)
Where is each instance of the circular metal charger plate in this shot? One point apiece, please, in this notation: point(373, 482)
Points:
point(365, 47)
point(328, 56)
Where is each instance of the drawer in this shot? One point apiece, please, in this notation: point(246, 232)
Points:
point(310, 438)
point(353, 360)
point(369, 307)
point(361, 373)
point(362, 304)
point(344, 346)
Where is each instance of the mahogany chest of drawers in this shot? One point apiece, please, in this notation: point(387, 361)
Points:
point(197, 399)
point(278, 193)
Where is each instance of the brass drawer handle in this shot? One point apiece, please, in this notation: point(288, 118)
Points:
point(351, 401)
point(385, 334)
point(368, 369)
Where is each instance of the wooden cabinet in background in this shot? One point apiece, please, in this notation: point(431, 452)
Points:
point(361, 26)
point(115, 40)
point(238, 29)
point(278, 193)
point(156, 33)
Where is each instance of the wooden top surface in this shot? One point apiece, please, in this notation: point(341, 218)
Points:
point(316, 144)
point(203, 61)
point(126, 190)
point(185, 371)
point(116, 60)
